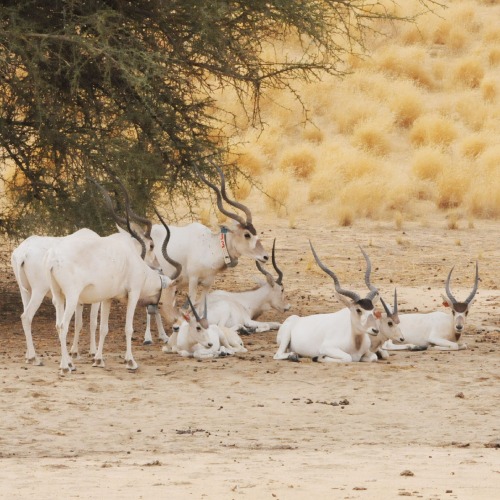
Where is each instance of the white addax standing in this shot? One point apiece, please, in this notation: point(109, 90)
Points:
point(438, 329)
point(203, 254)
point(100, 270)
point(34, 284)
point(342, 336)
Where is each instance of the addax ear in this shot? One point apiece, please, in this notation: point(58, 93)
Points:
point(345, 300)
point(446, 301)
point(270, 280)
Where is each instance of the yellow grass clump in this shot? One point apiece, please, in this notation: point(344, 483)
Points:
point(345, 216)
point(468, 72)
point(300, 161)
point(277, 187)
point(489, 89)
point(364, 197)
point(322, 186)
point(313, 134)
point(356, 165)
point(405, 62)
point(355, 108)
point(433, 129)
point(372, 136)
point(494, 56)
point(452, 221)
point(483, 197)
point(242, 188)
point(473, 145)
point(452, 183)
point(406, 102)
point(472, 109)
point(428, 163)
point(251, 159)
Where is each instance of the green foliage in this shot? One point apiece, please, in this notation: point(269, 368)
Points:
point(89, 87)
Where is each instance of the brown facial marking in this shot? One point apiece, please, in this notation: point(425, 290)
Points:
point(249, 227)
point(460, 307)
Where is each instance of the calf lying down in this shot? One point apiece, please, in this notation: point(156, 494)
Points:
point(210, 342)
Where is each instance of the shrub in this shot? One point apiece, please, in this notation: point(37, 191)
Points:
point(452, 184)
point(405, 102)
point(371, 136)
point(473, 145)
point(489, 89)
point(468, 72)
point(277, 187)
point(494, 56)
point(428, 163)
point(472, 110)
point(432, 129)
point(300, 161)
point(405, 62)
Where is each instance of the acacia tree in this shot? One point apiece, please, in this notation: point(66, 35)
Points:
point(89, 87)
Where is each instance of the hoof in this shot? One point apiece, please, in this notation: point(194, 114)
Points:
point(418, 348)
point(34, 361)
point(294, 357)
point(147, 342)
point(98, 363)
point(64, 371)
point(131, 365)
point(74, 355)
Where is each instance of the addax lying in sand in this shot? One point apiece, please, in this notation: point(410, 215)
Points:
point(437, 329)
point(342, 336)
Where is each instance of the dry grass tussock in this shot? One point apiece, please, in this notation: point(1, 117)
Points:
point(414, 126)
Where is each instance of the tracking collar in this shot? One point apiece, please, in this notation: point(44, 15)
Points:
point(228, 260)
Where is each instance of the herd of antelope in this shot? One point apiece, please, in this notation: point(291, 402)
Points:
point(144, 264)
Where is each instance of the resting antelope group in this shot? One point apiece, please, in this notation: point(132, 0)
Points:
point(146, 264)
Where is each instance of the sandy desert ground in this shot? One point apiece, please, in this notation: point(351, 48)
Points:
point(422, 424)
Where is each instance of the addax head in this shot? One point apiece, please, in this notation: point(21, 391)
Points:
point(243, 234)
point(276, 289)
point(198, 327)
point(460, 310)
point(389, 323)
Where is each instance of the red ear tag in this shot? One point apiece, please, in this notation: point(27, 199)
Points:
point(378, 314)
point(186, 317)
point(446, 304)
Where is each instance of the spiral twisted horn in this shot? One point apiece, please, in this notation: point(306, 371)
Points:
point(120, 220)
point(267, 273)
point(223, 195)
point(373, 290)
point(135, 217)
point(174, 263)
point(474, 289)
point(352, 295)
